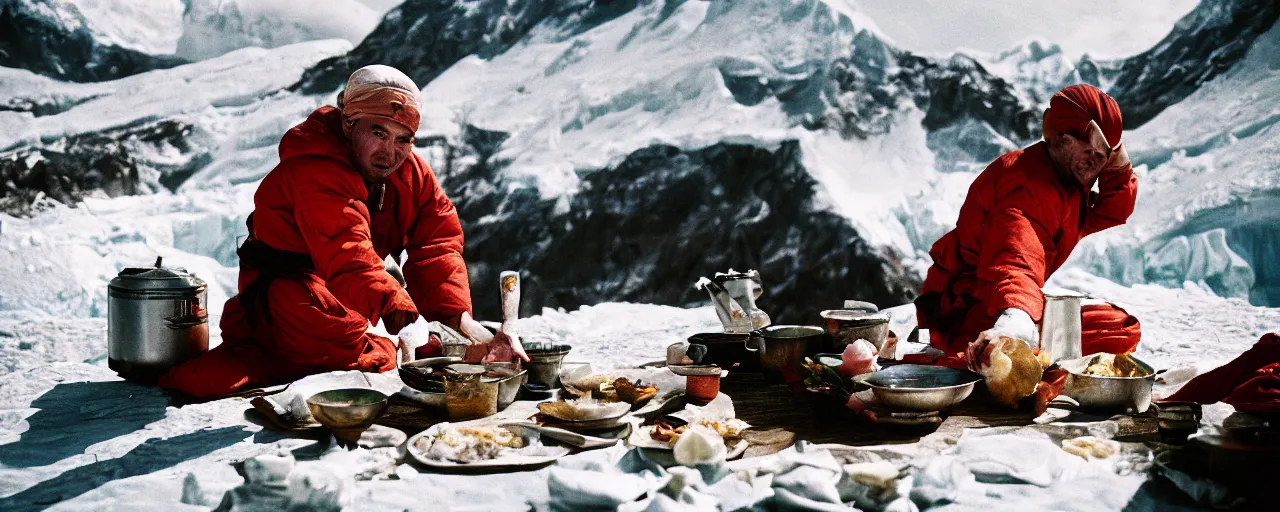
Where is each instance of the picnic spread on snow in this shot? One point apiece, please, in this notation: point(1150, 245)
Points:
point(992, 377)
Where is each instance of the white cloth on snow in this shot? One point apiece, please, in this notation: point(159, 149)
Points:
point(799, 478)
point(1029, 469)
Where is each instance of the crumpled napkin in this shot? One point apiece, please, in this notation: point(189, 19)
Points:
point(277, 483)
point(806, 478)
point(802, 477)
point(699, 445)
point(581, 489)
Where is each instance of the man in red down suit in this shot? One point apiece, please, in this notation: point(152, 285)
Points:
point(348, 192)
point(1020, 221)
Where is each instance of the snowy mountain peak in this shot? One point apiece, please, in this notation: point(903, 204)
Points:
point(1203, 44)
point(1030, 51)
point(1039, 67)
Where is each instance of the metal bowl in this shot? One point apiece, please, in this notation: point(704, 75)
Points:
point(347, 409)
point(921, 388)
point(1099, 392)
point(510, 377)
point(847, 326)
point(784, 346)
point(545, 360)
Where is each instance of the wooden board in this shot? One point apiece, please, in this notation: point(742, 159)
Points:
point(767, 404)
point(778, 416)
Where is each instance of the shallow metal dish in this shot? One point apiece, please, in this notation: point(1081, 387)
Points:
point(914, 387)
point(347, 409)
point(1098, 392)
point(613, 420)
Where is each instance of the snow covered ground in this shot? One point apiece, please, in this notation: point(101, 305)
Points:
point(1221, 144)
point(132, 452)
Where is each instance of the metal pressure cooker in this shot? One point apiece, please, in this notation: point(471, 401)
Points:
point(156, 319)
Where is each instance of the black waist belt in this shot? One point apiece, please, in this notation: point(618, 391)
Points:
point(271, 264)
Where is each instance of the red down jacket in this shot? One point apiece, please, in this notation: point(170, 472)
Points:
point(1018, 224)
point(315, 203)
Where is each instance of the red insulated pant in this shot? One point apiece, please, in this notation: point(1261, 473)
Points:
point(308, 332)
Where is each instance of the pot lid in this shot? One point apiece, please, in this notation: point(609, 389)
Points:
point(694, 370)
point(733, 275)
point(156, 278)
point(855, 317)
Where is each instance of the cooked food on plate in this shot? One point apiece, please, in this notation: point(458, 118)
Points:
point(669, 432)
point(469, 444)
point(605, 391)
point(633, 394)
point(583, 409)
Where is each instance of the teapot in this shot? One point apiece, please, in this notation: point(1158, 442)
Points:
point(734, 295)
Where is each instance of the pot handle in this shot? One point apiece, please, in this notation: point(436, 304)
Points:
point(1064, 399)
point(755, 338)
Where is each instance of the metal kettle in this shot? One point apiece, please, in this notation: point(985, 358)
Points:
point(157, 318)
point(734, 295)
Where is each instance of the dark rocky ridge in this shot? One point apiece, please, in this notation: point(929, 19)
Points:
point(645, 230)
point(425, 37)
point(1204, 44)
point(68, 170)
point(32, 42)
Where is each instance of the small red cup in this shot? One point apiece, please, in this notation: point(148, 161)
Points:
point(702, 388)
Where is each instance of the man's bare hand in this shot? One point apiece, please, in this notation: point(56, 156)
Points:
point(499, 347)
point(1119, 161)
point(505, 348)
point(976, 351)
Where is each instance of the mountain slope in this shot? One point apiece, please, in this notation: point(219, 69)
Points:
point(214, 27)
point(615, 150)
point(1207, 42)
point(53, 38)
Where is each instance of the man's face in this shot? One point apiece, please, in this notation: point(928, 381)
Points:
point(1080, 158)
point(378, 146)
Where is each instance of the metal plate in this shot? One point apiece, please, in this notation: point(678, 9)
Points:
point(641, 438)
point(532, 458)
point(575, 439)
point(920, 388)
point(918, 376)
